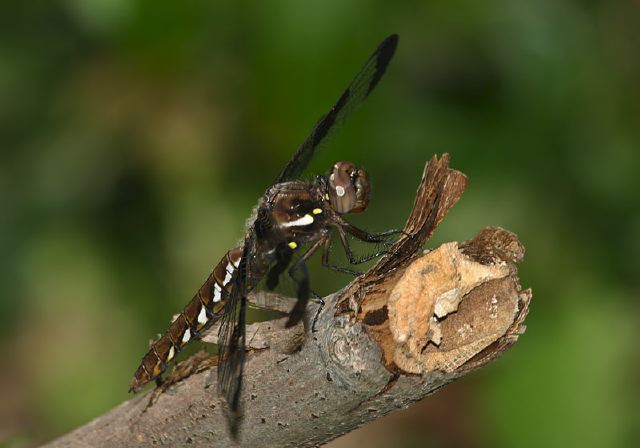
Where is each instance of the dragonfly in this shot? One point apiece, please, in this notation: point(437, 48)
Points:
point(292, 221)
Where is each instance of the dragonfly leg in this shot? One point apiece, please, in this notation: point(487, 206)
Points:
point(380, 237)
point(334, 267)
point(350, 255)
point(320, 301)
point(363, 235)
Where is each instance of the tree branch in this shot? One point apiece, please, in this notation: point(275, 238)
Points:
point(410, 325)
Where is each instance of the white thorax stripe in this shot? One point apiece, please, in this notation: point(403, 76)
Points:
point(304, 221)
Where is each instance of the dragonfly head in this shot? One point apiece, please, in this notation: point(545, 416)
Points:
point(348, 188)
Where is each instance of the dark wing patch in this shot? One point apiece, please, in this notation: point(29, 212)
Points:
point(231, 342)
point(359, 89)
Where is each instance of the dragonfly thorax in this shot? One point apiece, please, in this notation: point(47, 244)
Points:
point(295, 207)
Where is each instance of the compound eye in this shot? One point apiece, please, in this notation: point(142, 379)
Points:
point(361, 183)
point(342, 192)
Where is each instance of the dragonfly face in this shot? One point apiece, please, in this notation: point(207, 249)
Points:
point(291, 214)
point(348, 188)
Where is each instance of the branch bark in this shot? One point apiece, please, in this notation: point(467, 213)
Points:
point(413, 323)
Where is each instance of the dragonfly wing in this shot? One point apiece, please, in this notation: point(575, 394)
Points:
point(231, 342)
point(359, 89)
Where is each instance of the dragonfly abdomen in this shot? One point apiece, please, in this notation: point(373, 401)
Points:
point(206, 307)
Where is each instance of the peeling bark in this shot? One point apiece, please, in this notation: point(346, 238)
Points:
point(410, 325)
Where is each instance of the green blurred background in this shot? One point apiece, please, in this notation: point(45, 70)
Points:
point(137, 135)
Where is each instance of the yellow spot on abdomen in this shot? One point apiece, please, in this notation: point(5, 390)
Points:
point(292, 244)
point(317, 211)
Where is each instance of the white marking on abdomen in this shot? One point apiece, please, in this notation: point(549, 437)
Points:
point(186, 336)
point(229, 275)
point(304, 221)
point(236, 263)
point(216, 293)
point(202, 317)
